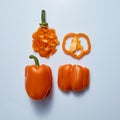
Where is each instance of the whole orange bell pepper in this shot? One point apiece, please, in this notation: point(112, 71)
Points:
point(73, 77)
point(38, 80)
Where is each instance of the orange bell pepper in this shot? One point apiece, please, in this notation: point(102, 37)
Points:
point(76, 45)
point(38, 80)
point(45, 39)
point(73, 77)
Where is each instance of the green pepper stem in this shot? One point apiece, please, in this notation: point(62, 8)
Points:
point(43, 19)
point(35, 59)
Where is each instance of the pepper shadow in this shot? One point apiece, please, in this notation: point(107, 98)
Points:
point(42, 107)
point(81, 93)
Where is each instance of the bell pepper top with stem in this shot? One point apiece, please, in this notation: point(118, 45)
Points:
point(43, 19)
point(35, 59)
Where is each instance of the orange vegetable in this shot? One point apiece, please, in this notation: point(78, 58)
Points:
point(45, 39)
point(76, 45)
point(73, 77)
point(38, 80)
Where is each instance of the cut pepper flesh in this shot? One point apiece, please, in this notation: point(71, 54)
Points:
point(45, 39)
point(76, 45)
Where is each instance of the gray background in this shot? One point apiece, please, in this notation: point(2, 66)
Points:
point(100, 20)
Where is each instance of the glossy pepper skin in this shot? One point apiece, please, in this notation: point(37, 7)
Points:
point(73, 77)
point(38, 80)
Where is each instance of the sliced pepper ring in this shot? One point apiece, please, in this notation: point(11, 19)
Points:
point(76, 36)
